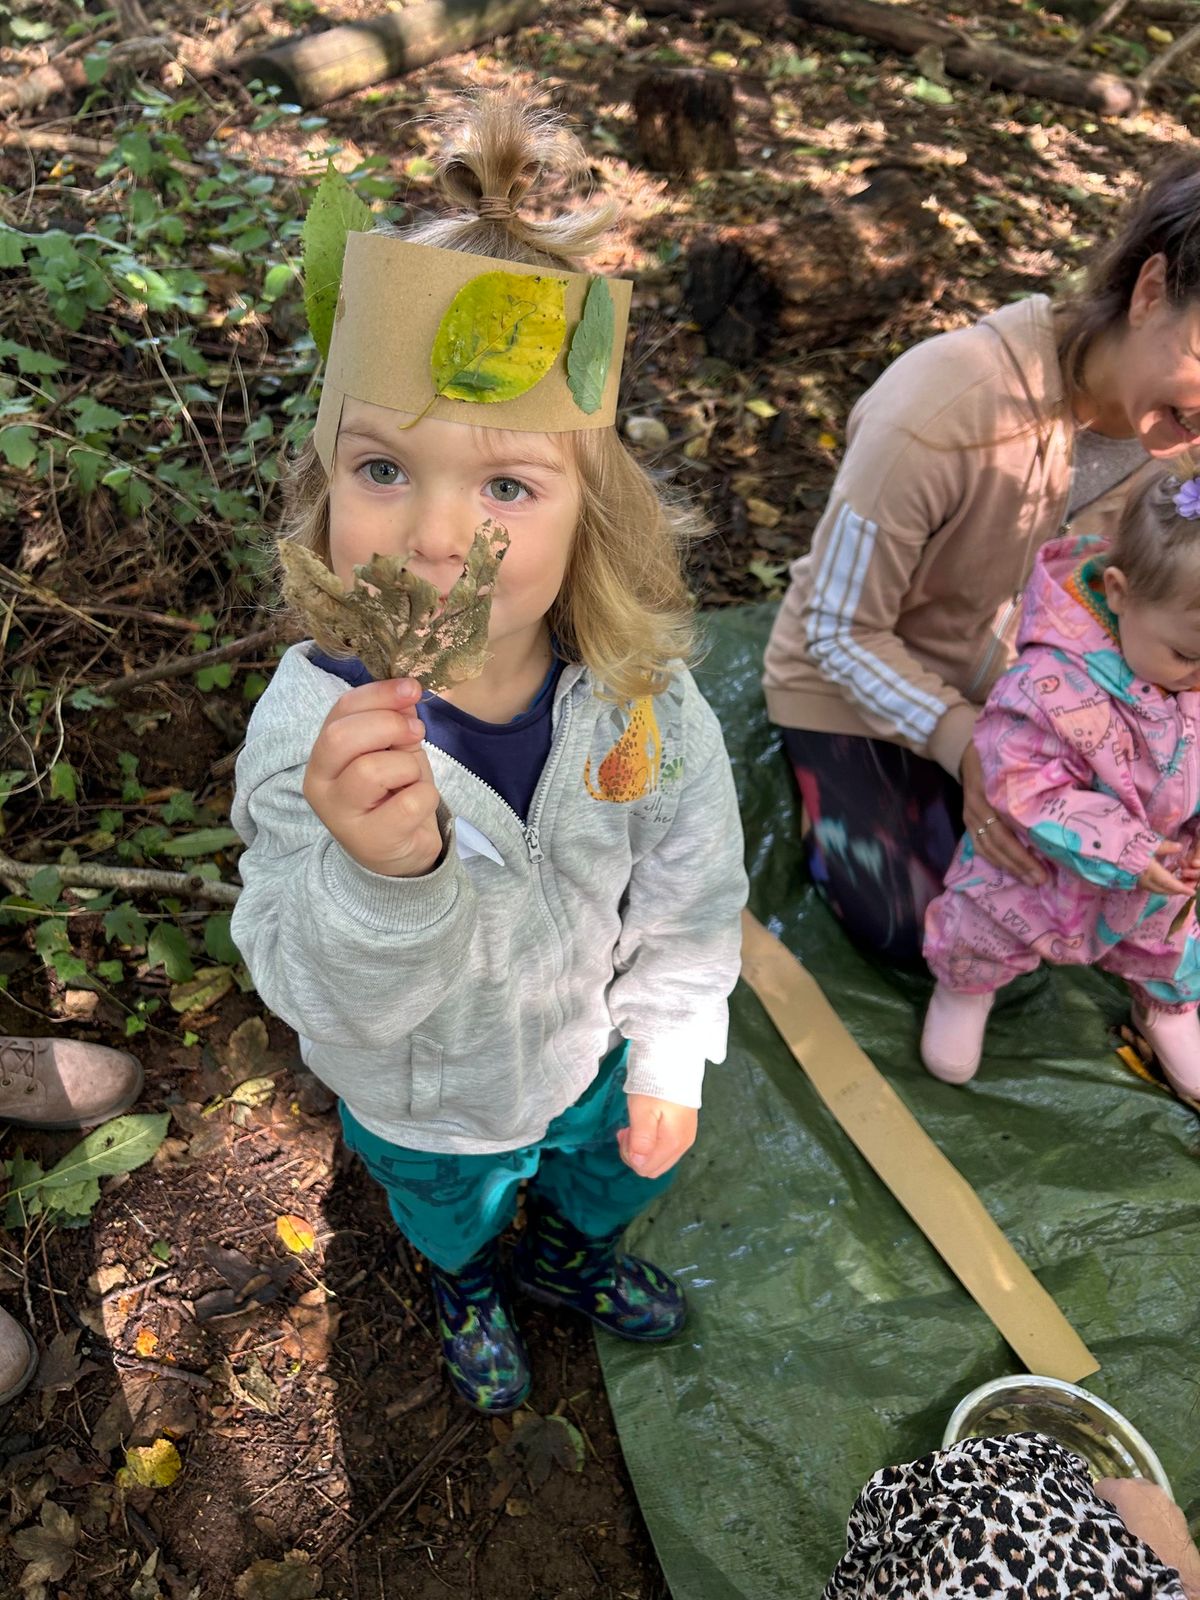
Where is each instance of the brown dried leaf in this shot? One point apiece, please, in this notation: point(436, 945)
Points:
point(293, 1578)
point(50, 1549)
point(62, 1367)
point(394, 622)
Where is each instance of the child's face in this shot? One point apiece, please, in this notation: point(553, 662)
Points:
point(1161, 643)
point(422, 493)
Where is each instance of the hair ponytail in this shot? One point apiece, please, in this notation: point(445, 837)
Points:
point(502, 148)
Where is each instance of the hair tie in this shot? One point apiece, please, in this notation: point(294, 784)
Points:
point(496, 206)
point(1187, 499)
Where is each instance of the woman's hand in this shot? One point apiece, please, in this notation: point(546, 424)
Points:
point(371, 784)
point(659, 1132)
point(1152, 1516)
point(989, 836)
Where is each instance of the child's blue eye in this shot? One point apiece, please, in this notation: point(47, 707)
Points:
point(507, 490)
point(382, 472)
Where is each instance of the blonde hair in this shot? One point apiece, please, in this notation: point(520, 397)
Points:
point(624, 610)
point(1156, 548)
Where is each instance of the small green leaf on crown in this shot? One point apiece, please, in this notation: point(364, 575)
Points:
point(589, 355)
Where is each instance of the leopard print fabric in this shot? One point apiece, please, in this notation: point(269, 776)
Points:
point(1010, 1519)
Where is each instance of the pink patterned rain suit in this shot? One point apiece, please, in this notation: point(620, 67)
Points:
point(1092, 767)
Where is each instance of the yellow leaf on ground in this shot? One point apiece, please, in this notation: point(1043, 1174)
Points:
point(761, 408)
point(154, 1466)
point(146, 1342)
point(827, 441)
point(296, 1234)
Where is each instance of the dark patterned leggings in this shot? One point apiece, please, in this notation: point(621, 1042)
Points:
point(883, 826)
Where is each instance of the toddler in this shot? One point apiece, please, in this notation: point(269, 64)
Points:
point(503, 919)
point(1089, 750)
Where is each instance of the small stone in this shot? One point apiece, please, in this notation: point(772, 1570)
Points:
point(648, 431)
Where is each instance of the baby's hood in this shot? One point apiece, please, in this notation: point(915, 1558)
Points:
point(1062, 610)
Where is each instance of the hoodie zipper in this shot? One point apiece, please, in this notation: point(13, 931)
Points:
point(529, 829)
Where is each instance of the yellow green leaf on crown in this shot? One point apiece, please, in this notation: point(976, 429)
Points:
point(502, 333)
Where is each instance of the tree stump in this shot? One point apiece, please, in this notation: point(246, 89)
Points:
point(685, 122)
point(829, 272)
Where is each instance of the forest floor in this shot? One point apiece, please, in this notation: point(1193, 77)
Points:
point(153, 361)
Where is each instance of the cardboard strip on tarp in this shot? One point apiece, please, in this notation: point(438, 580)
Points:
point(929, 1187)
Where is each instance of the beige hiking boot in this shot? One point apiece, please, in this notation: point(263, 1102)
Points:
point(64, 1083)
point(18, 1358)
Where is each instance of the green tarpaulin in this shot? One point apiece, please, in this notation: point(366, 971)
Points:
point(827, 1339)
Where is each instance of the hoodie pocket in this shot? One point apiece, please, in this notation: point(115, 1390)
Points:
point(426, 1077)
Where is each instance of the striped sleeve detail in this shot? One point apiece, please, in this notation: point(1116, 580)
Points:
point(879, 688)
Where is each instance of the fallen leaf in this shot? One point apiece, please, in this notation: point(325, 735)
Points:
point(542, 1443)
point(763, 514)
point(761, 408)
point(153, 1466)
point(61, 1367)
point(146, 1342)
point(293, 1578)
point(295, 1234)
point(246, 1048)
point(827, 441)
point(253, 1092)
point(49, 1549)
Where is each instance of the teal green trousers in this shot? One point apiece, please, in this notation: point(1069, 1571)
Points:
point(450, 1206)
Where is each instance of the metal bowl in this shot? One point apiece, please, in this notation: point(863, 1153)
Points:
point(1107, 1441)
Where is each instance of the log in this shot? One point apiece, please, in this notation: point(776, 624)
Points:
point(324, 66)
point(685, 122)
point(899, 29)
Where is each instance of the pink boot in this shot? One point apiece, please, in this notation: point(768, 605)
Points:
point(952, 1041)
point(1174, 1036)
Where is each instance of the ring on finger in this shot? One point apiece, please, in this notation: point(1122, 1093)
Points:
point(984, 826)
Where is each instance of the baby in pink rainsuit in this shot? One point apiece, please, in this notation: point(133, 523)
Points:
point(1090, 746)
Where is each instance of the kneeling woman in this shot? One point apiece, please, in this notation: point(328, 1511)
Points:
point(967, 455)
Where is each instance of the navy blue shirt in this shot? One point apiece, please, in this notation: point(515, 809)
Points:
point(508, 756)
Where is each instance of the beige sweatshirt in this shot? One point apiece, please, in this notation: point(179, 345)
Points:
point(957, 470)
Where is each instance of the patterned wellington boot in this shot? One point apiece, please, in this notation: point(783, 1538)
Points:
point(483, 1350)
point(560, 1266)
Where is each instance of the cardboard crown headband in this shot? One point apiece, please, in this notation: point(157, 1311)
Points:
point(467, 338)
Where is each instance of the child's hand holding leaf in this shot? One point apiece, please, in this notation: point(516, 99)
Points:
point(370, 782)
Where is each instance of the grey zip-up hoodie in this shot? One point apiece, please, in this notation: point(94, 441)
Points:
point(463, 1010)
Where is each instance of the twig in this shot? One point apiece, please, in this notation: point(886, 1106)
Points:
point(411, 1484)
point(134, 880)
point(163, 1369)
point(1187, 41)
point(75, 144)
point(132, 1290)
point(180, 666)
point(1103, 22)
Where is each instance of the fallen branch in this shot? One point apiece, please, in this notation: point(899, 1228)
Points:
point(325, 66)
point(133, 880)
point(75, 144)
point(180, 666)
point(69, 77)
point(900, 29)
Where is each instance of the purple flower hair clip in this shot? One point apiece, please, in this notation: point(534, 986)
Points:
point(1187, 499)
